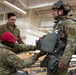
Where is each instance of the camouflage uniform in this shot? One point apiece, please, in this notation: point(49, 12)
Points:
point(10, 62)
point(15, 31)
point(68, 30)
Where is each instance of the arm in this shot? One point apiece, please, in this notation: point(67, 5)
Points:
point(23, 48)
point(11, 59)
point(70, 46)
point(20, 41)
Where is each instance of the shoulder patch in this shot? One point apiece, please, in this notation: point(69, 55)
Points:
point(71, 31)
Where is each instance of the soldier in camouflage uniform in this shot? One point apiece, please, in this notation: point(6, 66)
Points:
point(9, 61)
point(67, 35)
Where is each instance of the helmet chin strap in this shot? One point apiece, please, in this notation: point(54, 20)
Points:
point(58, 14)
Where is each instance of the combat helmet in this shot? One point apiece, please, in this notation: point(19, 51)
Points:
point(61, 5)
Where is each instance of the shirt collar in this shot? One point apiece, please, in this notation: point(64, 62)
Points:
point(60, 18)
point(13, 26)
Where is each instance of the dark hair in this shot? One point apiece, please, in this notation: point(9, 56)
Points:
point(10, 14)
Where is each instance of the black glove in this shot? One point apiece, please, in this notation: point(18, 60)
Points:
point(40, 54)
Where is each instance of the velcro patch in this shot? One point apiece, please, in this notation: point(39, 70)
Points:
point(71, 31)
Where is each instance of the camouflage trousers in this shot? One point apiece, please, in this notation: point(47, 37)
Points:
point(59, 72)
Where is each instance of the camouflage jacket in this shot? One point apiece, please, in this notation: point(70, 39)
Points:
point(68, 33)
point(10, 62)
point(15, 31)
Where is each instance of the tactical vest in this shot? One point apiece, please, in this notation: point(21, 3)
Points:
point(53, 44)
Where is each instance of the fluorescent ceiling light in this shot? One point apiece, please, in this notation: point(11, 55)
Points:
point(13, 7)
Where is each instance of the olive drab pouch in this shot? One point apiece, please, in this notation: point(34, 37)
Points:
point(52, 64)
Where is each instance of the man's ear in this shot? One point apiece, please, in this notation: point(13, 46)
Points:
point(61, 11)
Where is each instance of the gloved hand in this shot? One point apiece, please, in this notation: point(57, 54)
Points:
point(40, 54)
point(61, 65)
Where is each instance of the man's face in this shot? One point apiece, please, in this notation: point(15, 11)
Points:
point(12, 20)
point(56, 13)
point(11, 44)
